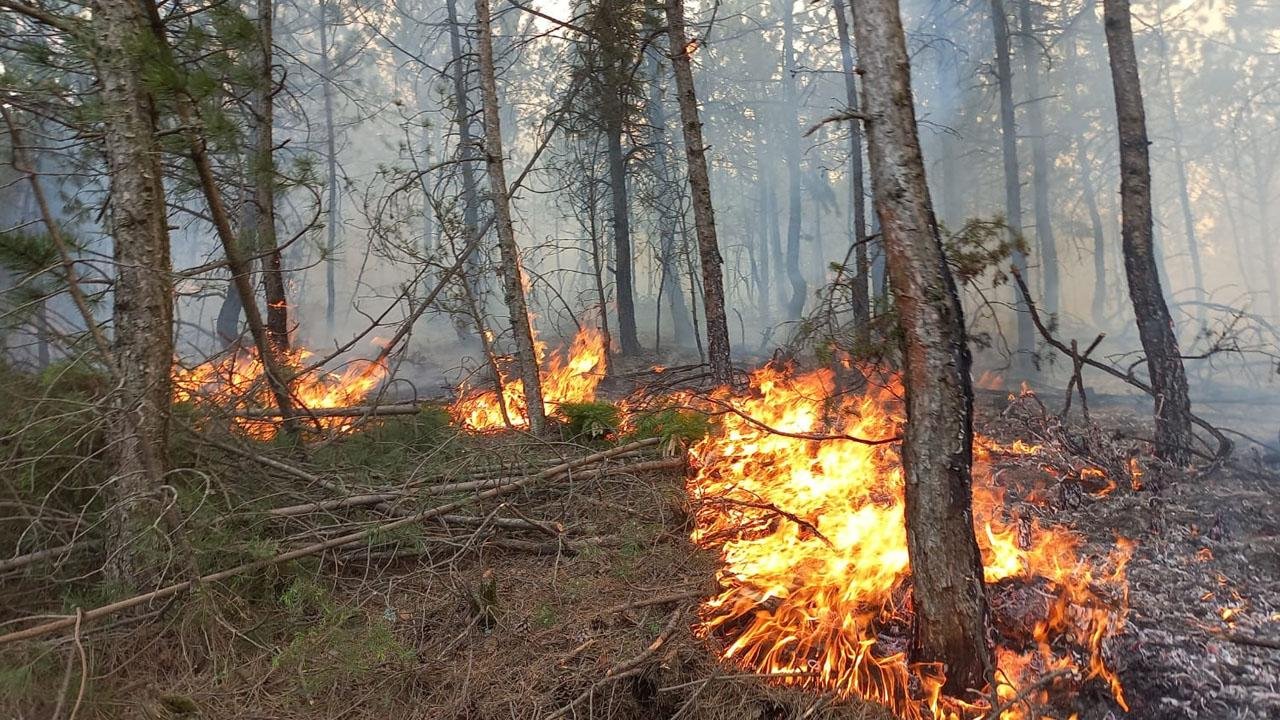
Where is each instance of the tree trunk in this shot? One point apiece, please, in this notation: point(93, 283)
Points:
point(1180, 165)
point(512, 273)
point(264, 185)
point(1155, 328)
point(700, 185)
point(857, 201)
point(1039, 158)
point(946, 568)
point(1099, 239)
point(621, 235)
point(669, 284)
point(1012, 187)
point(466, 148)
point(799, 288)
point(143, 294)
point(333, 214)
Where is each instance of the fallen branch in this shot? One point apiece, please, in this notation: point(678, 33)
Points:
point(340, 412)
point(14, 563)
point(626, 668)
point(1224, 443)
point(348, 539)
point(456, 487)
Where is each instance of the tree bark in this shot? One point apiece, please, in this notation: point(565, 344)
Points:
point(700, 185)
point(1012, 186)
point(857, 201)
point(946, 567)
point(799, 288)
point(1039, 159)
point(512, 273)
point(264, 184)
point(1155, 328)
point(143, 294)
point(621, 235)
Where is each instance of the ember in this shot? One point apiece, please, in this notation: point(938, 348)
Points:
point(566, 378)
point(815, 580)
point(236, 384)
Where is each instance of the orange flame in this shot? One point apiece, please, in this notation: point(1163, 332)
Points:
point(815, 581)
point(237, 384)
point(566, 378)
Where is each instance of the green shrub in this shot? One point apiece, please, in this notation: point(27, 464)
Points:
point(591, 419)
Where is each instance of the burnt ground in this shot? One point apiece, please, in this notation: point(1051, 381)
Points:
point(593, 619)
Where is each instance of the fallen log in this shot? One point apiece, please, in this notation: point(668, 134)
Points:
point(83, 616)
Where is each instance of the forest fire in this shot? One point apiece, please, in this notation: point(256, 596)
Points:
point(815, 581)
point(236, 383)
point(567, 377)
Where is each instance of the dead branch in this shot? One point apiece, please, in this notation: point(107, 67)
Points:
point(1224, 443)
point(626, 668)
point(353, 411)
point(837, 117)
point(315, 548)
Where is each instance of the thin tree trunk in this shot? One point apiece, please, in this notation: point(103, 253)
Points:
point(1099, 239)
point(264, 185)
point(1155, 327)
point(1012, 187)
point(857, 201)
point(466, 146)
point(143, 294)
point(1085, 170)
point(334, 212)
point(669, 287)
point(1180, 165)
point(700, 185)
point(621, 236)
point(799, 288)
point(1039, 158)
point(946, 568)
point(764, 287)
point(512, 273)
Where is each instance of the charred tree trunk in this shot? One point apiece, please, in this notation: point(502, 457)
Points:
point(1155, 328)
point(857, 201)
point(334, 211)
point(799, 288)
point(264, 185)
point(1012, 186)
point(946, 568)
point(512, 272)
point(1045, 239)
point(700, 184)
point(669, 283)
point(142, 313)
point(621, 235)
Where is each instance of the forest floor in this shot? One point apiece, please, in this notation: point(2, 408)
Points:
point(575, 597)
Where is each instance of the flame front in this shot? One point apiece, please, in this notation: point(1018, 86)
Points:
point(815, 578)
point(566, 378)
point(237, 383)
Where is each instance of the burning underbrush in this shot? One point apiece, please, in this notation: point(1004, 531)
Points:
point(570, 376)
point(801, 494)
point(236, 384)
